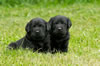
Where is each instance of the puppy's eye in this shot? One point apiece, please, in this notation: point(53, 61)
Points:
point(56, 23)
point(62, 23)
point(34, 25)
point(40, 25)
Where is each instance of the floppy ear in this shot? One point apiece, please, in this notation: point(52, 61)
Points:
point(50, 23)
point(27, 28)
point(47, 26)
point(69, 24)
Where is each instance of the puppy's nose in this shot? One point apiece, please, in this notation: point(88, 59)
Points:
point(37, 31)
point(59, 28)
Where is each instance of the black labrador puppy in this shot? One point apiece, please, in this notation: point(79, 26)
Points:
point(36, 38)
point(59, 33)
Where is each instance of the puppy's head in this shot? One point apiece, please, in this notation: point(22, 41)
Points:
point(59, 25)
point(36, 29)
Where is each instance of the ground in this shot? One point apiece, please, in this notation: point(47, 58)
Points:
point(84, 45)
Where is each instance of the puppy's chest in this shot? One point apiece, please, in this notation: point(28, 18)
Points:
point(58, 43)
point(38, 44)
point(34, 44)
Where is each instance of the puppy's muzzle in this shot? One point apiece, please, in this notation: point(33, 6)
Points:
point(59, 28)
point(37, 31)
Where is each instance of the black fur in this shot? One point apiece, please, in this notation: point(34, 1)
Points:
point(36, 38)
point(59, 33)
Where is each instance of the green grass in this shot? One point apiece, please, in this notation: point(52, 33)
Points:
point(84, 45)
point(13, 3)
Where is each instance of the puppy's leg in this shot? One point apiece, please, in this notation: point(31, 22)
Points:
point(12, 46)
point(15, 45)
point(64, 48)
point(47, 48)
point(53, 48)
point(46, 44)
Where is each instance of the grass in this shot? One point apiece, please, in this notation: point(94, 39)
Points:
point(84, 47)
point(14, 3)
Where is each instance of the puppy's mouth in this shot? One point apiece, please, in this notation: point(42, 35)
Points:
point(59, 32)
point(37, 36)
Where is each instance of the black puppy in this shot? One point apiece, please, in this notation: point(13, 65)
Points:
point(59, 33)
point(37, 37)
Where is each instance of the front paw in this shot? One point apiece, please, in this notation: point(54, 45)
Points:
point(12, 46)
point(64, 50)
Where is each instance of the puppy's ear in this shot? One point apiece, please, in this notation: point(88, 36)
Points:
point(69, 24)
point(27, 28)
point(47, 26)
point(50, 23)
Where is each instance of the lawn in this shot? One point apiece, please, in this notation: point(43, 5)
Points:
point(84, 45)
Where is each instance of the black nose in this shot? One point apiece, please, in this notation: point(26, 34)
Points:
point(59, 28)
point(37, 31)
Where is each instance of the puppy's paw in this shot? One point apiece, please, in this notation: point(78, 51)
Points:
point(12, 46)
point(64, 50)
